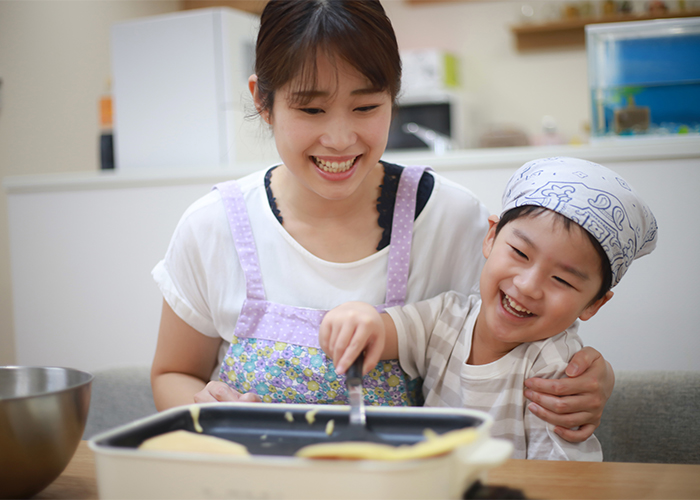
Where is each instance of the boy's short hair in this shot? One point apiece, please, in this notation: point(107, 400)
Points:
point(595, 198)
point(534, 210)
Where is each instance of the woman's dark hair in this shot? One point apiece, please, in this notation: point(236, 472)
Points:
point(292, 32)
point(534, 211)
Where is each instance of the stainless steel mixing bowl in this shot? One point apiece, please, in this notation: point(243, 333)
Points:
point(43, 411)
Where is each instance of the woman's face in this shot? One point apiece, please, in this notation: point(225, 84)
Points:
point(332, 142)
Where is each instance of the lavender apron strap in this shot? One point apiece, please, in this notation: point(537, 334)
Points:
point(242, 233)
point(401, 235)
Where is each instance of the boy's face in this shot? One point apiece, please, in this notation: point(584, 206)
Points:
point(539, 277)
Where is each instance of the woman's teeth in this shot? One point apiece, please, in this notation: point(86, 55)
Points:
point(514, 308)
point(334, 166)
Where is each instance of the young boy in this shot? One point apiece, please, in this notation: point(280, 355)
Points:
point(568, 231)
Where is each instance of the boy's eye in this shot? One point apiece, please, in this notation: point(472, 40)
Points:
point(518, 252)
point(564, 282)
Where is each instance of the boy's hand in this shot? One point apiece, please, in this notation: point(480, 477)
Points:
point(350, 329)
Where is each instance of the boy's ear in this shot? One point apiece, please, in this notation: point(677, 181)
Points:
point(253, 87)
point(490, 236)
point(592, 309)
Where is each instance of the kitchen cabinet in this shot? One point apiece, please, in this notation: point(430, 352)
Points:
point(257, 6)
point(252, 6)
point(571, 32)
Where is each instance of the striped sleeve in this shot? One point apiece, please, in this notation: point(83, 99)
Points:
point(542, 442)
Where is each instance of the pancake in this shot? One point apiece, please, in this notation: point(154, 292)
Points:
point(434, 445)
point(191, 442)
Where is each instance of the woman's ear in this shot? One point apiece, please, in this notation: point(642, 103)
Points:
point(592, 309)
point(490, 236)
point(253, 87)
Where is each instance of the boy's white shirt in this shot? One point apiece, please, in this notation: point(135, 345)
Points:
point(434, 340)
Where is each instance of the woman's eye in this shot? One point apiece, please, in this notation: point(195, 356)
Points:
point(311, 111)
point(365, 109)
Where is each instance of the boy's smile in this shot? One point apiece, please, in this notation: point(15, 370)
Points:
point(539, 278)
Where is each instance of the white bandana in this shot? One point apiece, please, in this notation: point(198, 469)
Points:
point(594, 197)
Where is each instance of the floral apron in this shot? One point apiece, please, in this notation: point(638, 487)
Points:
point(275, 351)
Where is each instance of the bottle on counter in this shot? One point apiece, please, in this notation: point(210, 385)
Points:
point(549, 135)
point(106, 130)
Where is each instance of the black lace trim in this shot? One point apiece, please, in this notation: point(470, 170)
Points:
point(271, 199)
point(385, 202)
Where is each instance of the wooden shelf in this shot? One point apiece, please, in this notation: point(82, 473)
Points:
point(252, 6)
point(571, 32)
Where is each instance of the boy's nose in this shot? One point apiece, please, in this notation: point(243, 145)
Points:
point(338, 134)
point(529, 282)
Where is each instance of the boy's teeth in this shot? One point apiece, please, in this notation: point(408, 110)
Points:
point(509, 304)
point(334, 167)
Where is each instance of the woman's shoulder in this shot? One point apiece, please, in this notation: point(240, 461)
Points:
point(452, 190)
point(209, 205)
point(252, 181)
point(452, 201)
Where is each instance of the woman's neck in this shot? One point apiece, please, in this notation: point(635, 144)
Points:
point(334, 230)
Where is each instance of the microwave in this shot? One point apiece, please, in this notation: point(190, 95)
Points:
point(436, 122)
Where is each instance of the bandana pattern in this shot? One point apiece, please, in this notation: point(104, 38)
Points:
point(594, 197)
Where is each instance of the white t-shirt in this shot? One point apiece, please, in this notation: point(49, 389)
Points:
point(435, 338)
point(203, 282)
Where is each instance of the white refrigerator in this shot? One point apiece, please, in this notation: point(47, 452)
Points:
point(180, 91)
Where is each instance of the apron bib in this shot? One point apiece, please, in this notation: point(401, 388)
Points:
point(275, 351)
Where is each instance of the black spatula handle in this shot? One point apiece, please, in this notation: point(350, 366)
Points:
point(354, 373)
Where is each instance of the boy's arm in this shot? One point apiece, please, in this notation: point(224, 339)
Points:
point(354, 327)
point(542, 442)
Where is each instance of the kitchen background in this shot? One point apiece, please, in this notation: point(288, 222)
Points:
point(55, 66)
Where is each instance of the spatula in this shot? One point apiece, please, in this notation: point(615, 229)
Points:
point(353, 381)
point(357, 429)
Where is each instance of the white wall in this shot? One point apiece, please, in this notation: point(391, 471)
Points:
point(54, 64)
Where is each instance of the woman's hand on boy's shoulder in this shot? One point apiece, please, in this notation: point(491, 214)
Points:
point(575, 404)
point(216, 391)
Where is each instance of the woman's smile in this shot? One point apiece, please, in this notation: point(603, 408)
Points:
point(335, 165)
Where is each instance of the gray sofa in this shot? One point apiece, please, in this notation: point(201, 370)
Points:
point(651, 416)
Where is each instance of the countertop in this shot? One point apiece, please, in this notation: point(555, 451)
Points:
point(603, 151)
point(534, 478)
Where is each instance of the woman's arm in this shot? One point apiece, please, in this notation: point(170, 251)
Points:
point(183, 363)
point(577, 401)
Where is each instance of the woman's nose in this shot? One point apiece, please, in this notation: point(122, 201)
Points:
point(338, 134)
point(529, 282)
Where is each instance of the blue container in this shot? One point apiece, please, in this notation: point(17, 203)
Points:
point(644, 77)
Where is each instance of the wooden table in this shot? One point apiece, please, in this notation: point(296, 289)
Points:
point(536, 478)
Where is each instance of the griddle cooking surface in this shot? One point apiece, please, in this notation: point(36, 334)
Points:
point(265, 430)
